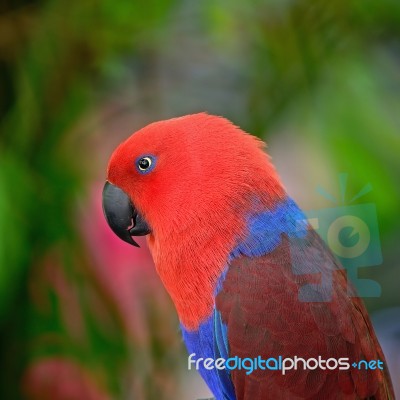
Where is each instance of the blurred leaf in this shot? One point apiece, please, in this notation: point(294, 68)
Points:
point(361, 135)
point(15, 194)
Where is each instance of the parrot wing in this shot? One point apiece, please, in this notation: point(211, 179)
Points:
point(295, 301)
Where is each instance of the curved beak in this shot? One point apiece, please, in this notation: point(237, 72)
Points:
point(121, 215)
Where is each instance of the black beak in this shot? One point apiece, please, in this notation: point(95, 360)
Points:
point(122, 217)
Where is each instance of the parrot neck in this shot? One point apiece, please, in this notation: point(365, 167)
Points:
point(192, 268)
point(190, 272)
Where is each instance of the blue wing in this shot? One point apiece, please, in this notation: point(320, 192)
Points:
point(210, 341)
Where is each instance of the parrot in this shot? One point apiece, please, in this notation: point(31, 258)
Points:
point(248, 275)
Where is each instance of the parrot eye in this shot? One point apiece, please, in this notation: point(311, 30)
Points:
point(145, 164)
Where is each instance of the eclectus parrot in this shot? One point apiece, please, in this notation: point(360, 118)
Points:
point(247, 274)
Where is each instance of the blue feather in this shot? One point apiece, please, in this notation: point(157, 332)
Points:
point(205, 344)
point(265, 229)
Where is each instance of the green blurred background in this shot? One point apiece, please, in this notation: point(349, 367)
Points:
point(83, 315)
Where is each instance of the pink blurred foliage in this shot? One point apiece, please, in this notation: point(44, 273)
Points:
point(61, 379)
point(111, 272)
point(127, 272)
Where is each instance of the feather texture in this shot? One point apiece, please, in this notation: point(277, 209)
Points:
point(267, 314)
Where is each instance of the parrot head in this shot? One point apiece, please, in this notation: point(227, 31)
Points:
point(188, 183)
point(174, 173)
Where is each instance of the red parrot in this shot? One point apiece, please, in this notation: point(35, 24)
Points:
point(253, 284)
